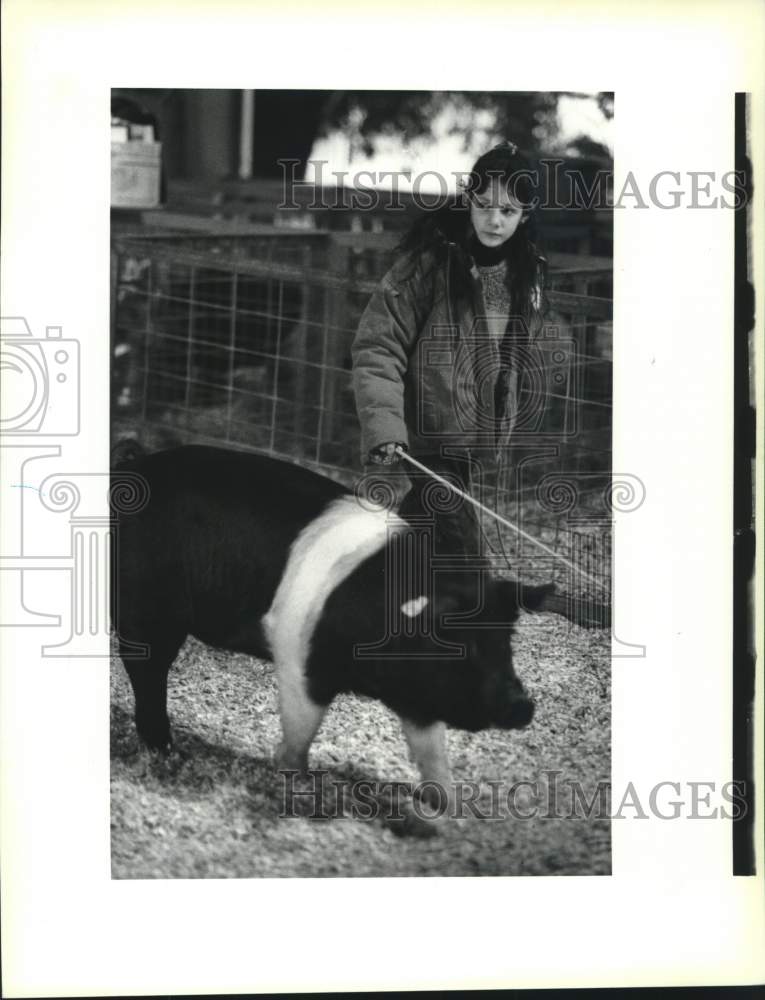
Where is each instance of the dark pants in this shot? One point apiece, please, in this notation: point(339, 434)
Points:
point(453, 520)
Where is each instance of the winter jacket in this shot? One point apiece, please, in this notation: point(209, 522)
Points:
point(426, 370)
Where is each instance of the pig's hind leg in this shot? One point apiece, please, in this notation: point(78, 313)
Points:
point(148, 678)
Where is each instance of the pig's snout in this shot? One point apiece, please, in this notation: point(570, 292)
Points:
point(517, 714)
point(513, 709)
point(505, 702)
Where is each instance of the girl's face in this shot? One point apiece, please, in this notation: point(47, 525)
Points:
point(495, 214)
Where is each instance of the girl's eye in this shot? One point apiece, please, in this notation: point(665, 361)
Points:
point(506, 209)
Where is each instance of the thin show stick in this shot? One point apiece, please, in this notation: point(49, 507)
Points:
point(498, 517)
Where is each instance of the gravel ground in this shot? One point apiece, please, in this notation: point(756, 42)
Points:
point(211, 808)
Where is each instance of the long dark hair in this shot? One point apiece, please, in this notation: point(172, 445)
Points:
point(433, 231)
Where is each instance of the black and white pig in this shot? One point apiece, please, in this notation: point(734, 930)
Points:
point(260, 556)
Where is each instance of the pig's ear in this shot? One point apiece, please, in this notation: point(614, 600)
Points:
point(534, 598)
point(513, 596)
point(415, 606)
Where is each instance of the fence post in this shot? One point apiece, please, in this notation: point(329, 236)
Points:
point(334, 347)
point(299, 352)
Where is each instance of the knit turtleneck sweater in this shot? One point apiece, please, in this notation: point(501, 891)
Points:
point(491, 263)
point(492, 268)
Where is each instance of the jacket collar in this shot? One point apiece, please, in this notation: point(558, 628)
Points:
point(464, 256)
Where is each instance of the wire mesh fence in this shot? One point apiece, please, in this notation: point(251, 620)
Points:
point(244, 340)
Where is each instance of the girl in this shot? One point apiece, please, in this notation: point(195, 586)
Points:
point(441, 345)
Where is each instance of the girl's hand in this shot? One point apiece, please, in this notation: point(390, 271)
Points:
point(385, 454)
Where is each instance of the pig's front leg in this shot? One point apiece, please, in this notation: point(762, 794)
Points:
point(301, 717)
point(427, 745)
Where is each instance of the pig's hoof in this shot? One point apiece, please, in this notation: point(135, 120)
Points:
point(298, 771)
point(302, 794)
point(412, 825)
point(161, 743)
point(434, 796)
point(289, 760)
